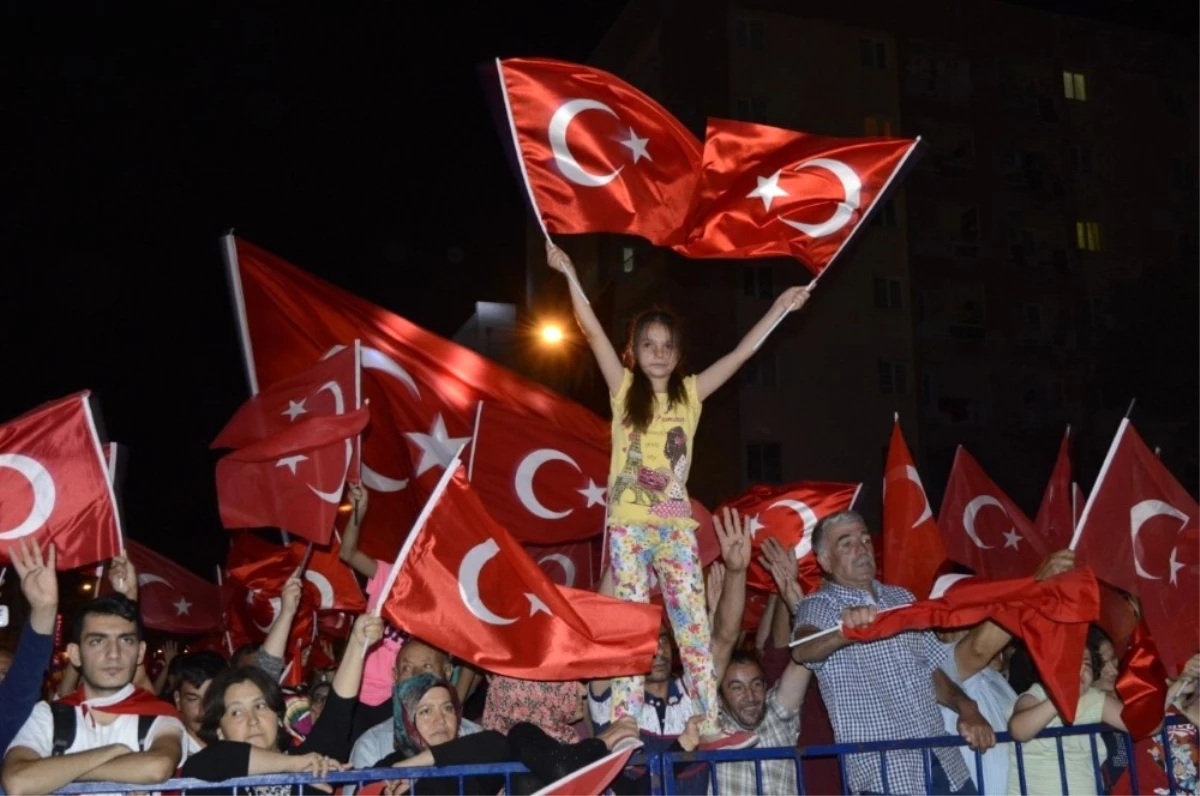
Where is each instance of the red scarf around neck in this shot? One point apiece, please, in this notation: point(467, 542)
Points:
point(139, 703)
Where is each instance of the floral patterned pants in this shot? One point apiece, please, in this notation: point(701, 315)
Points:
point(675, 557)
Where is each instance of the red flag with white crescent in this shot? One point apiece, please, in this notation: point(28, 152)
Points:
point(789, 514)
point(54, 484)
point(982, 528)
point(598, 155)
point(913, 552)
point(505, 615)
point(768, 192)
point(172, 598)
point(1140, 532)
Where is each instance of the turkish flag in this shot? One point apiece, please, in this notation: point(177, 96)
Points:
point(912, 549)
point(1142, 684)
point(54, 484)
point(505, 615)
point(789, 514)
point(1055, 521)
point(536, 477)
point(1139, 532)
point(294, 446)
point(1051, 616)
point(983, 529)
point(597, 154)
point(593, 779)
point(329, 582)
point(575, 565)
point(423, 390)
point(765, 192)
point(173, 599)
point(1117, 617)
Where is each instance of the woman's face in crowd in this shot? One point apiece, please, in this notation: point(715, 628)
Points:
point(1086, 675)
point(436, 719)
point(1106, 678)
point(248, 718)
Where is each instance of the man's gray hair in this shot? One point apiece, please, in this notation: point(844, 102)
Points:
point(830, 521)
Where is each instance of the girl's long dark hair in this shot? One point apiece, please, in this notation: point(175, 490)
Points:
point(639, 401)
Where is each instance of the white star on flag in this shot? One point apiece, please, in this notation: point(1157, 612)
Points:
point(250, 596)
point(437, 448)
point(637, 146)
point(290, 462)
point(181, 607)
point(753, 526)
point(1012, 539)
point(594, 494)
point(1175, 566)
point(295, 409)
point(768, 188)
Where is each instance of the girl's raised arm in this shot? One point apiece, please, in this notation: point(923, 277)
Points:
point(723, 369)
point(602, 347)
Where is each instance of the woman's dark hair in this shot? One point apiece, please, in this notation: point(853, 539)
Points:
point(1095, 637)
point(639, 400)
point(108, 605)
point(214, 699)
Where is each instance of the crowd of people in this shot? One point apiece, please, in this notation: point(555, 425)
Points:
point(395, 701)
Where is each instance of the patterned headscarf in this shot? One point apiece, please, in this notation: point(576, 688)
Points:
point(405, 696)
point(550, 705)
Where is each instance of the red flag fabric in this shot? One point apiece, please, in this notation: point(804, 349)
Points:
point(591, 780)
point(1117, 617)
point(506, 616)
point(1142, 684)
point(1051, 616)
point(765, 192)
point(534, 478)
point(1139, 532)
point(54, 484)
point(575, 565)
point(984, 530)
point(789, 513)
point(330, 583)
point(423, 390)
point(139, 702)
point(171, 597)
point(597, 154)
point(912, 548)
point(294, 446)
point(1055, 521)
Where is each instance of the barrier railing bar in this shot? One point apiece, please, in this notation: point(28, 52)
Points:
point(1021, 770)
point(1096, 764)
point(1062, 766)
point(1127, 740)
point(883, 773)
point(757, 776)
point(1168, 757)
point(927, 768)
point(979, 772)
point(845, 776)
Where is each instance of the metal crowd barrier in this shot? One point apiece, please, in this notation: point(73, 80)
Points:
point(661, 767)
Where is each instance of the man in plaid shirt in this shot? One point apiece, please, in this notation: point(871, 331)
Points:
point(746, 704)
point(881, 690)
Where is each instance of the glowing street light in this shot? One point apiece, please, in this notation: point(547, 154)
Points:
point(552, 333)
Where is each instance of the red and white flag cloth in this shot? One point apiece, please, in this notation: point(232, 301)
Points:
point(912, 548)
point(984, 530)
point(1139, 531)
point(533, 477)
point(768, 192)
point(789, 514)
point(462, 583)
point(54, 484)
point(575, 565)
point(172, 598)
point(423, 390)
point(295, 445)
point(1055, 521)
point(597, 155)
point(1142, 684)
point(1051, 616)
point(594, 778)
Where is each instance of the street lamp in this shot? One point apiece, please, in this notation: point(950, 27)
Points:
point(552, 333)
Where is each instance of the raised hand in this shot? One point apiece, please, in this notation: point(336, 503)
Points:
point(39, 582)
point(792, 299)
point(122, 576)
point(1056, 564)
point(780, 562)
point(368, 629)
point(358, 499)
point(714, 584)
point(734, 539)
point(290, 599)
point(557, 259)
point(170, 651)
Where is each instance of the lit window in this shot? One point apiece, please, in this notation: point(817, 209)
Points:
point(627, 259)
point(1087, 236)
point(876, 125)
point(1075, 86)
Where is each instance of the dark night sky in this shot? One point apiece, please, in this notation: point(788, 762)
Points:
point(357, 145)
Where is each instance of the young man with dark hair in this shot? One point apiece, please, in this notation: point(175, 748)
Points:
point(107, 729)
point(196, 671)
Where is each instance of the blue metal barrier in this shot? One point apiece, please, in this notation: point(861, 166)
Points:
point(662, 767)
